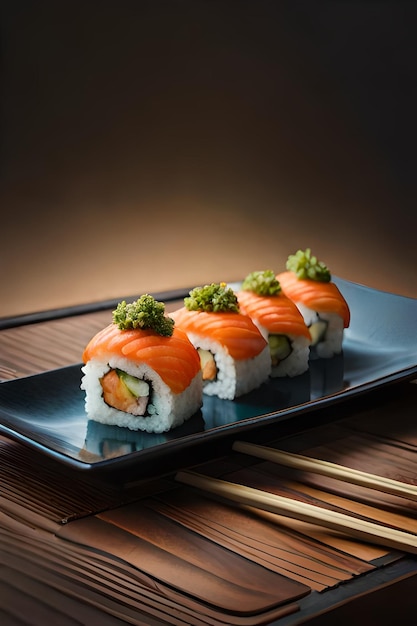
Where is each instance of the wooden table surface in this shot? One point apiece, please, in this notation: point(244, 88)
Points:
point(36, 587)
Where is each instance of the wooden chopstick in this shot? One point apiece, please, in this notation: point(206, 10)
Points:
point(326, 468)
point(360, 529)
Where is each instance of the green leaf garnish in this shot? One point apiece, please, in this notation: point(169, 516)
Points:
point(304, 265)
point(214, 298)
point(145, 313)
point(263, 283)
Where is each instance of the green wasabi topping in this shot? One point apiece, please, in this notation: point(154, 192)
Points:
point(263, 283)
point(306, 266)
point(214, 298)
point(145, 313)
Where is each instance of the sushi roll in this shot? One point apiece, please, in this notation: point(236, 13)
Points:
point(308, 283)
point(233, 353)
point(140, 371)
point(279, 321)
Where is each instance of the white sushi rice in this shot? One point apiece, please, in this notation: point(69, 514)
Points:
point(166, 409)
point(235, 377)
point(331, 344)
point(297, 362)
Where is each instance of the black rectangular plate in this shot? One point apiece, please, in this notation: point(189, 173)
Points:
point(46, 411)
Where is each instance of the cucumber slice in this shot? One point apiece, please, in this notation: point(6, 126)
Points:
point(279, 347)
point(137, 387)
point(318, 331)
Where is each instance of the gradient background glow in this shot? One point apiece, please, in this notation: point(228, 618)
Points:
point(149, 145)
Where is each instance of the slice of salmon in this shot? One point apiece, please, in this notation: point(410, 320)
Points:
point(319, 296)
point(234, 331)
point(174, 358)
point(277, 314)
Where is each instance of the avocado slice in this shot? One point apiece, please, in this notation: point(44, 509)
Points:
point(318, 331)
point(137, 387)
point(279, 347)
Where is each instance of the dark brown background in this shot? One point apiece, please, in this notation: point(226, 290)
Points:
point(149, 145)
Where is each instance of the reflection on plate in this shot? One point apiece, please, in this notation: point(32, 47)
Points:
point(47, 412)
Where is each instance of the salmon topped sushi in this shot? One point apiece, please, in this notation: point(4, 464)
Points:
point(233, 353)
point(307, 281)
point(279, 321)
point(140, 371)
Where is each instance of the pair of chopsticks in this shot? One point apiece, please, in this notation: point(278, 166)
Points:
point(331, 470)
point(360, 529)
